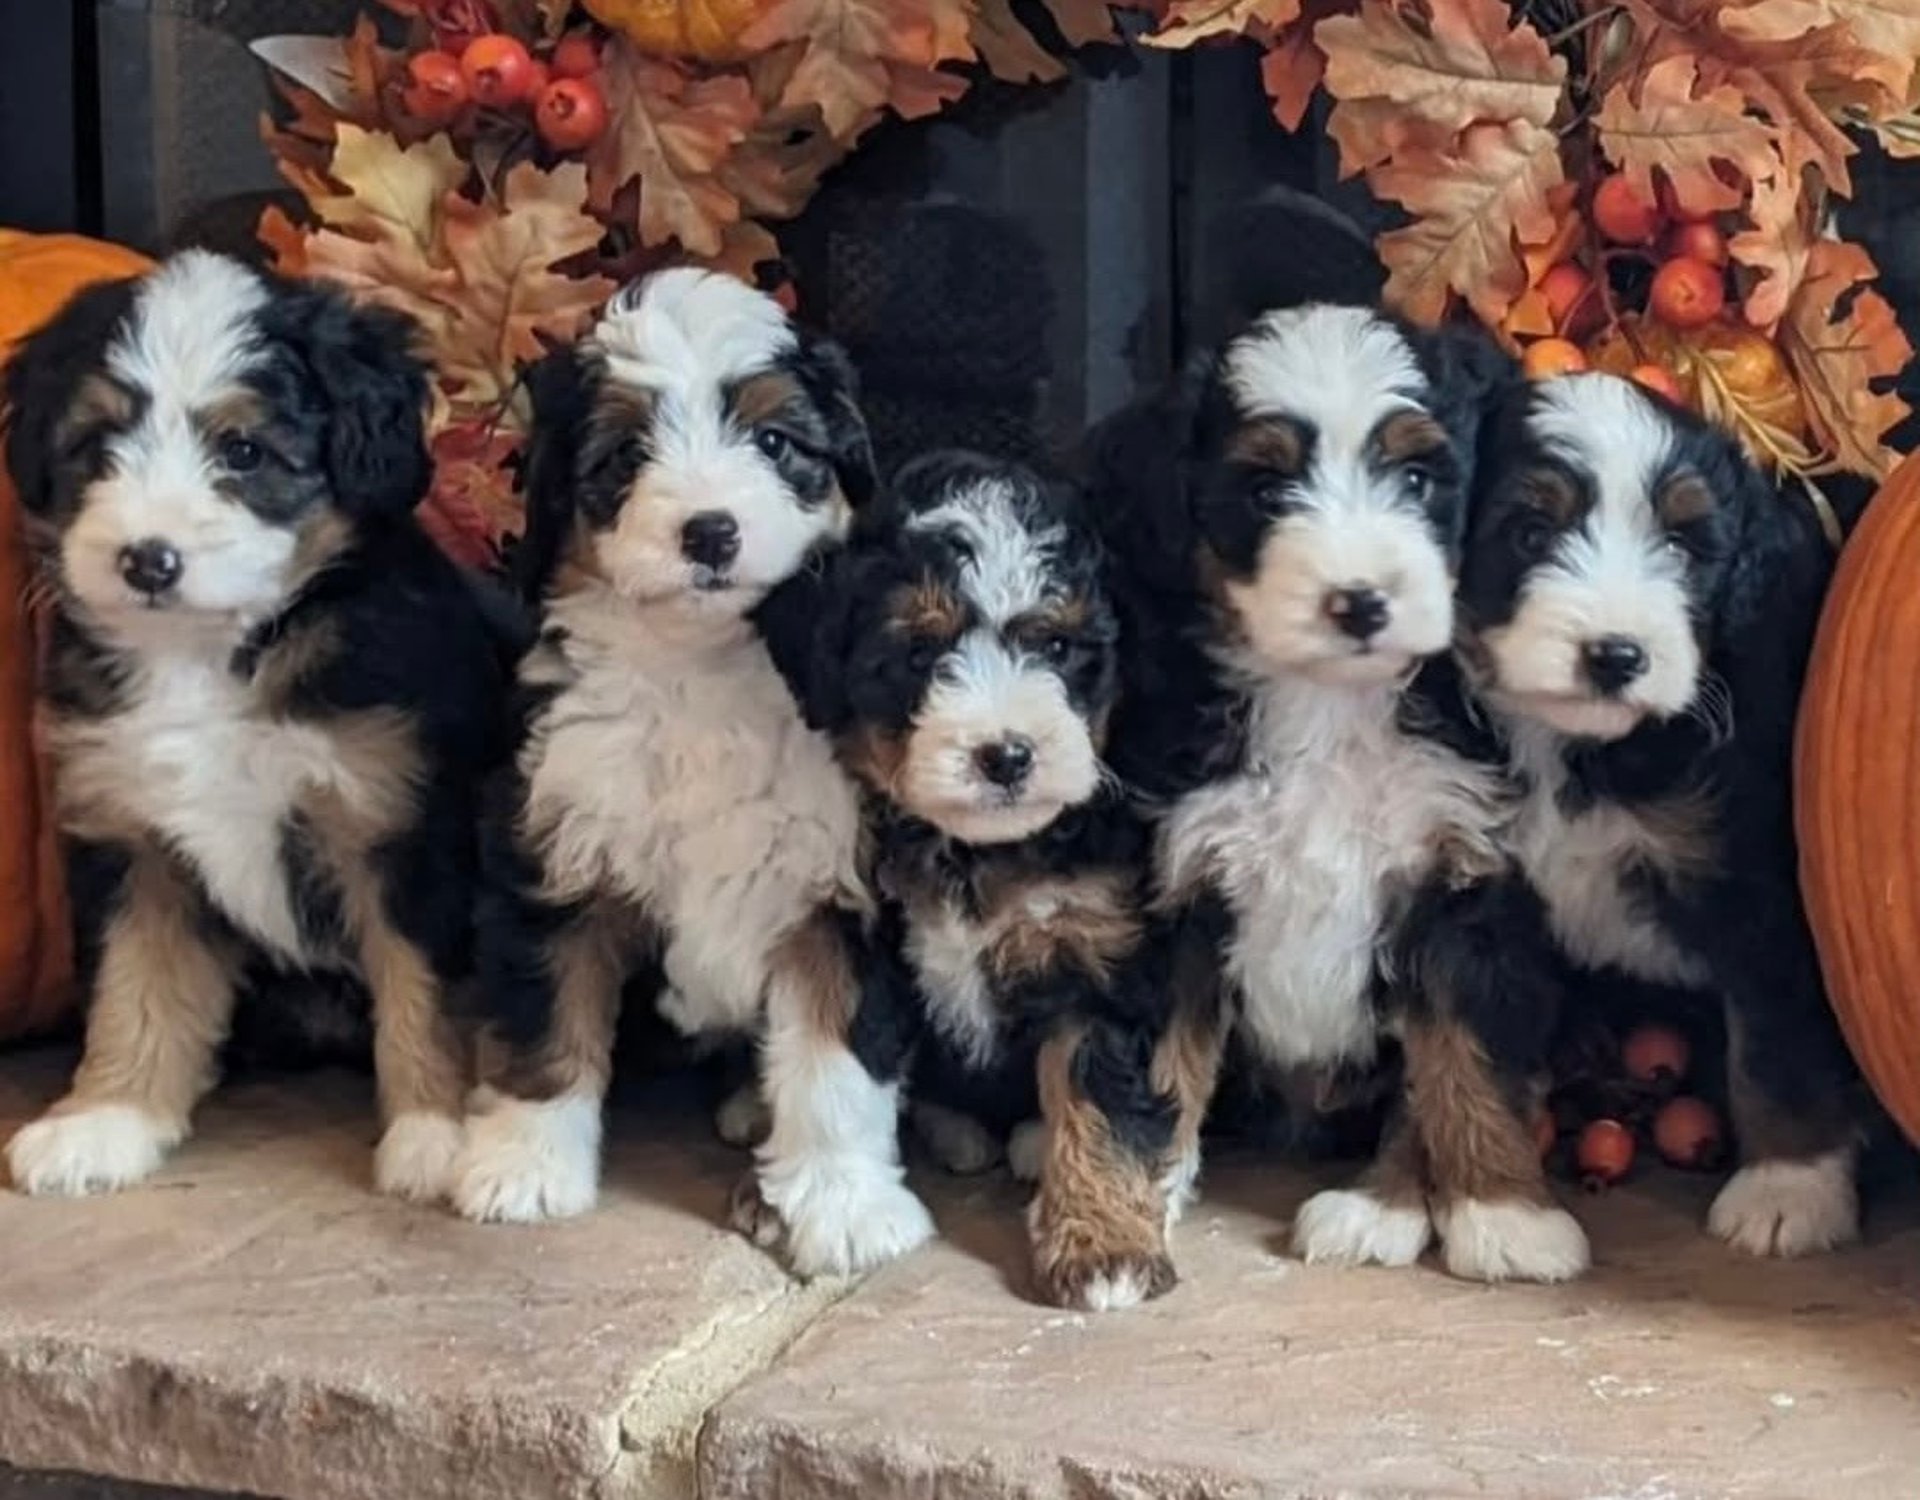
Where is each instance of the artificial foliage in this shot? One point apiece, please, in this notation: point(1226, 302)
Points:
point(502, 223)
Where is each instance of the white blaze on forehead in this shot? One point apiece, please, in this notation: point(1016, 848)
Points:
point(1008, 572)
point(1340, 369)
point(1605, 429)
point(687, 334)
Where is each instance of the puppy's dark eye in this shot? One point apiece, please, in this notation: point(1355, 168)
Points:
point(1270, 495)
point(1416, 484)
point(772, 443)
point(924, 655)
point(1533, 535)
point(1053, 648)
point(633, 452)
point(240, 455)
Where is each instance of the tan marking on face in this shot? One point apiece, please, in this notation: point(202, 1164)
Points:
point(240, 411)
point(1066, 615)
point(1267, 443)
point(1683, 499)
point(767, 397)
point(97, 403)
point(1553, 494)
point(928, 610)
point(1408, 435)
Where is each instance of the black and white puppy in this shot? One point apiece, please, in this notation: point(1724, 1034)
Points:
point(271, 700)
point(1290, 526)
point(962, 653)
point(1641, 603)
point(669, 803)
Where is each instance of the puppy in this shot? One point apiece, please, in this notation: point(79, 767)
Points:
point(668, 803)
point(1328, 816)
point(962, 654)
point(1641, 604)
point(269, 697)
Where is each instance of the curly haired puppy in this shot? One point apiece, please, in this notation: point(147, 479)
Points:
point(1641, 604)
point(1290, 526)
point(962, 654)
point(669, 803)
point(270, 698)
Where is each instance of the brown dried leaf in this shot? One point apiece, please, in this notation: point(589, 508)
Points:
point(1835, 355)
point(1776, 245)
point(1450, 63)
point(860, 56)
point(1294, 64)
point(778, 167)
point(1083, 23)
point(1474, 205)
point(1009, 49)
point(385, 182)
point(1190, 21)
point(285, 239)
point(1887, 29)
point(672, 130)
point(509, 294)
point(1666, 124)
point(390, 269)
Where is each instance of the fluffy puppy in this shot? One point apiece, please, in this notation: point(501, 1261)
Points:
point(269, 697)
point(962, 654)
point(1641, 603)
point(1290, 525)
point(668, 802)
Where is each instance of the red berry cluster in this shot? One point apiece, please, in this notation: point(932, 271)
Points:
point(496, 71)
point(1682, 1127)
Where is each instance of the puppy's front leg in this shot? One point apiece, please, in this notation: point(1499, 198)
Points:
point(419, 1061)
point(160, 1007)
point(830, 1169)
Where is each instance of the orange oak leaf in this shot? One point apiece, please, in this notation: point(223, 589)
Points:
point(509, 294)
point(861, 56)
point(1666, 124)
point(1836, 354)
point(776, 169)
point(1294, 64)
point(1531, 315)
point(918, 92)
point(1082, 22)
point(672, 130)
point(1371, 131)
point(748, 247)
point(472, 503)
point(286, 240)
point(1475, 205)
point(1776, 244)
point(1450, 63)
point(1008, 48)
point(1781, 78)
point(389, 268)
point(1190, 21)
point(402, 187)
point(1889, 30)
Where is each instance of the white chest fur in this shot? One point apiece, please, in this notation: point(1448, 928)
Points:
point(195, 762)
point(946, 951)
point(1579, 862)
point(679, 777)
point(1335, 807)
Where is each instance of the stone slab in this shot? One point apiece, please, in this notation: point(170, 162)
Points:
point(1677, 1371)
point(256, 1320)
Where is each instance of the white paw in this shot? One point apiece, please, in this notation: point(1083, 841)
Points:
point(1126, 1287)
point(743, 1119)
point(1511, 1241)
point(843, 1213)
point(416, 1156)
point(524, 1162)
point(1352, 1227)
point(1789, 1207)
point(1180, 1186)
point(1027, 1150)
point(958, 1142)
point(89, 1150)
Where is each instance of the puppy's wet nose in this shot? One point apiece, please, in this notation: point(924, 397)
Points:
point(151, 566)
point(1613, 661)
point(1005, 762)
point(1359, 612)
point(710, 539)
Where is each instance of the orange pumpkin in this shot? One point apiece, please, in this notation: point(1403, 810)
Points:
point(37, 275)
point(704, 30)
point(1858, 796)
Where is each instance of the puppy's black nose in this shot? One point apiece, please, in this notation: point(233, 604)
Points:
point(1005, 762)
point(1613, 661)
point(711, 539)
point(1361, 613)
point(151, 566)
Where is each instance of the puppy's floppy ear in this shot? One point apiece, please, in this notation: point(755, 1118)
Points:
point(823, 368)
point(807, 624)
point(560, 389)
point(41, 378)
point(1470, 375)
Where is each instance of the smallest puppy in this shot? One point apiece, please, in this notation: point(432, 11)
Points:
point(961, 652)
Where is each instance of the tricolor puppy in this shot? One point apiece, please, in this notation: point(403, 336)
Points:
point(962, 653)
point(1289, 528)
point(669, 802)
point(270, 699)
point(1641, 603)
